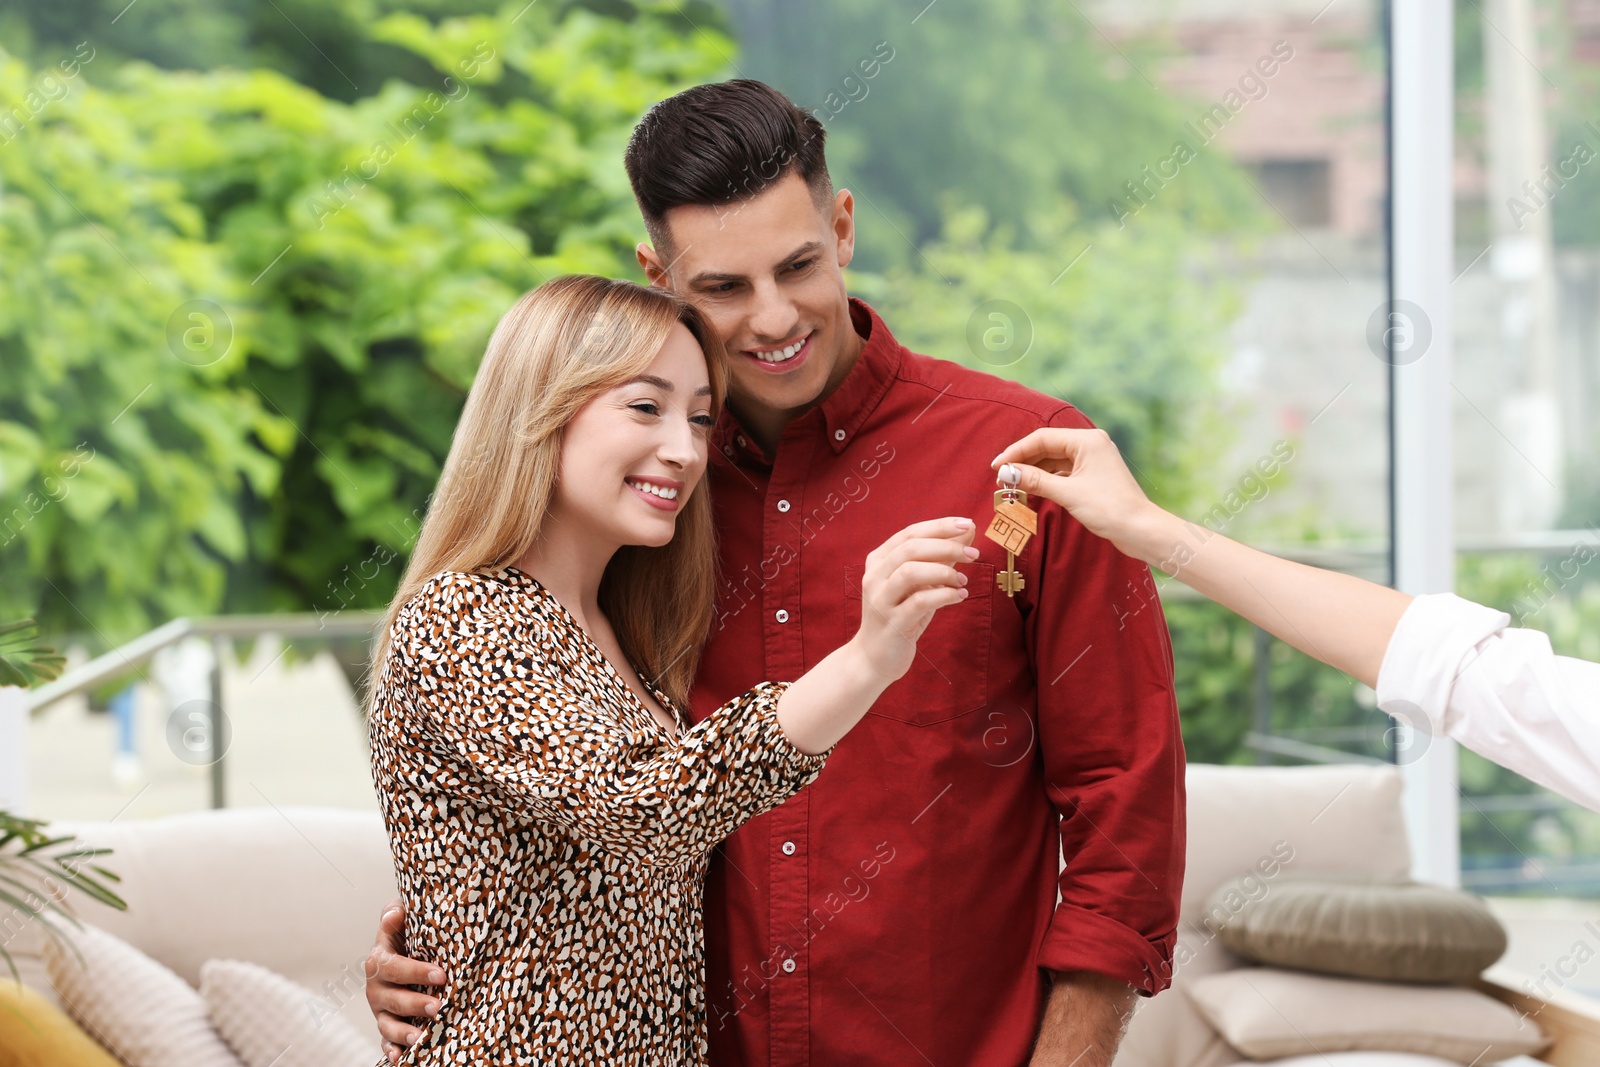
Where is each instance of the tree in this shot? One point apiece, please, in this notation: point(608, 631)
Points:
point(231, 374)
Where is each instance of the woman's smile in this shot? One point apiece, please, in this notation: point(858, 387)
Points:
point(661, 493)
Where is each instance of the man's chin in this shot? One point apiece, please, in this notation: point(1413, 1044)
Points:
point(777, 392)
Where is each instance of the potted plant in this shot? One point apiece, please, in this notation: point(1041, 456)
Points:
point(38, 870)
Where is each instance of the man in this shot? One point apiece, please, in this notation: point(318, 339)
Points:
point(903, 908)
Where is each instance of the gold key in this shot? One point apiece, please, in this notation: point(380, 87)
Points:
point(1014, 523)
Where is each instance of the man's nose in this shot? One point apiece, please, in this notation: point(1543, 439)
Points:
point(774, 316)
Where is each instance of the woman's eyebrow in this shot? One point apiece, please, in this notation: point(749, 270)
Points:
point(664, 385)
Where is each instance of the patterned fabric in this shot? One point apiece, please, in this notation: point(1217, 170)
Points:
point(550, 838)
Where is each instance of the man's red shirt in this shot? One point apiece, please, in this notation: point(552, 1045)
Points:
point(903, 909)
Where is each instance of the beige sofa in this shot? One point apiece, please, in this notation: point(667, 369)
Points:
point(298, 890)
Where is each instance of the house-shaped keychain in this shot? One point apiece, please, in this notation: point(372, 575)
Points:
point(1013, 524)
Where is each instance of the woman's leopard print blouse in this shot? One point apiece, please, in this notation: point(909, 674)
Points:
point(549, 837)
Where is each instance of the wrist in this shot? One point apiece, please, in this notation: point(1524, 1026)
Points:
point(860, 670)
point(1149, 534)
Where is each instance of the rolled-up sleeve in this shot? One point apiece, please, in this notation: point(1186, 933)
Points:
point(1113, 755)
point(1458, 669)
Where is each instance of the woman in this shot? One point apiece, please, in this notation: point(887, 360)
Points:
point(549, 808)
point(1443, 664)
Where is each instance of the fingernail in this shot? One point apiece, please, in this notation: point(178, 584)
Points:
point(963, 578)
point(412, 1039)
point(972, 553)
point(962, 594)
point(436, 977)
point(431, 1008)
point(964, 524)
point(995, 460)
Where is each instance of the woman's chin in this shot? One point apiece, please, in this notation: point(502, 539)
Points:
point(657, 536)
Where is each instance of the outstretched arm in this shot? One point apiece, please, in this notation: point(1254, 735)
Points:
point(1339, 619)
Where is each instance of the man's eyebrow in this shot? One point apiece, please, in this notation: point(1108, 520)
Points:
point(704, 277)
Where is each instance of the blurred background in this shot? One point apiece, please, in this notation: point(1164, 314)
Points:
point(251, 252)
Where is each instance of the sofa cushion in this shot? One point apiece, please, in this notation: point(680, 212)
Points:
point(1265, 1013)
point(139, 1010)
point(1387, 931)
point(1271, 821)
point(34, 1033)
point(235, 884)
point(1355, 1059)
point(270, 1021)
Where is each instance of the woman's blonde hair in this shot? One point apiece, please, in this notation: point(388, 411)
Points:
point(560, 346)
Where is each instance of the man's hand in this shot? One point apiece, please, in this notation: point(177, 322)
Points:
point(388, 972)
point(1083, 1021)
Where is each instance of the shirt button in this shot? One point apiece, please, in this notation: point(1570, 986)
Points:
point(788, 848)
point(741, 441)
point(727, 450)
point(788, 966)
point(838, 435)
point(782, 616)
point(783, 505)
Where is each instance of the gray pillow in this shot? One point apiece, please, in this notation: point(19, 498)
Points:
point(1388, 931)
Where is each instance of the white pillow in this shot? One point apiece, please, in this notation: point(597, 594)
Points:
point(271, 1021)
point(1382, 1059)
point(1266, 1013)
point(1361, 1059)
point(143, 1013)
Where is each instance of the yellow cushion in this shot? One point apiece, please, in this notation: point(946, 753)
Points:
point(34, 1033)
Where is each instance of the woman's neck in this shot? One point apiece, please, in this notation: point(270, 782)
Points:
point(570, 565)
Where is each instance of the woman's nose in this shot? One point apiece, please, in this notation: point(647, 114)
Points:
point(679, 445)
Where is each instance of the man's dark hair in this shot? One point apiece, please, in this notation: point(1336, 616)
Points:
point(720, 144)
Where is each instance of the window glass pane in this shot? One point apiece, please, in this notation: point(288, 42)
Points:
point(1527, 381)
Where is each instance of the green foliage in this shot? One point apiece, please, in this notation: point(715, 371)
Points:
point(22, 663)
point(1118, 323)
point(322, 44)
point(1216, 655)
point(274, 446)
point(1012, 106)
point(39, 872)
point(113, 451)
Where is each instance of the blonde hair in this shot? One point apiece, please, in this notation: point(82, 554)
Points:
point(560, 346)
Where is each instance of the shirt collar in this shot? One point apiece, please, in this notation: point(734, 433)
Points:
point(848, 407)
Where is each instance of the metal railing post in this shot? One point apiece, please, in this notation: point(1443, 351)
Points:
point(14, 750)
point(1262, 667)
point(218, 725)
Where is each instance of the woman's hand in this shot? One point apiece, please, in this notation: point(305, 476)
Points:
point(907, 579)
point(1083, 471)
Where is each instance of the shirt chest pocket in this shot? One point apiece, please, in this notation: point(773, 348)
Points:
point(950, 675)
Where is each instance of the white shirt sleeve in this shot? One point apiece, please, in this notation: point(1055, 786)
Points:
point(1455, 668)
